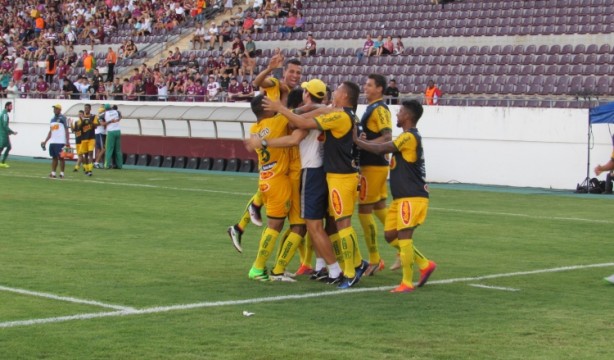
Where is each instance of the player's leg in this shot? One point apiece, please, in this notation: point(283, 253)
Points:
point(236, 231)
point(372, 185)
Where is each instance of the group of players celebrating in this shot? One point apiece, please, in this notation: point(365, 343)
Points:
point(314, 162)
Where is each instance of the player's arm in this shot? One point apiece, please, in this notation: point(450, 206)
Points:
point(66, 134)
point(262, 79)
point(383, 123)
point(293, 139)
point(373, 146)
point(609, 166)
point(303, 121)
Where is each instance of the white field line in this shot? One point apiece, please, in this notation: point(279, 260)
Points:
point(478, 212)
point(64, 298)
point(161, 309)
point(493, 287)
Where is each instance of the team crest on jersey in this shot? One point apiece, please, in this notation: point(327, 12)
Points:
point(405, 212)
point(363, 187)
point(336, 202)
point(264, 175)
point(264, 187)
point(393, 163)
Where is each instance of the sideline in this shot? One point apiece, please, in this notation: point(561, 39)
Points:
point(161, 309)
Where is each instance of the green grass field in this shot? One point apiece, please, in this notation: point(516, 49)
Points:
point(136, 264)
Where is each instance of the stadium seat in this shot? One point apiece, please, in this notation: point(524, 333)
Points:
point(143, 160)
point(156, 161)
point(180, 162)
point(247, 166)
point(193, 163)
point(205, 163)
point(168, 162)
point(233, 165)
point(219, 164)
point(130, 159)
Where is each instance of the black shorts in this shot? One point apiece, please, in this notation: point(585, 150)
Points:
point(55, 150)
point(101, 140)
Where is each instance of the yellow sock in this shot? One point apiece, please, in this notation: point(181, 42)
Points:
point(369, 229)
point(284, 236)
point(287, 252)
point(306, 251)
point(257, 199)
point(265, 247)
point(407, 260)
point(381, 214)
point(336, 240)
point(420, 259)
point(351, 253)
point(395, 244)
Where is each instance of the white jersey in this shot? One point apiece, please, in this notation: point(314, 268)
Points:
point(100, 129)
point(110, 115)
point(58, 130)
point(312, 149)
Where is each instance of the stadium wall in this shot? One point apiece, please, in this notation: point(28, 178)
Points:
point(528, 147)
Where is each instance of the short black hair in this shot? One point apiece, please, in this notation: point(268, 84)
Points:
point(296, 62)
point(295, 98)
point(7, 104)
point(414, 107)
point(256, 104)
point(353, 92)
point(380, 80)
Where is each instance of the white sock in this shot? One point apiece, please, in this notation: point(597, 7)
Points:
point(320, 264)
point(53, 173)
point(62, 173)
point(334, 270)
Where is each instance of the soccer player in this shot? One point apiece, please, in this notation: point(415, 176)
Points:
point(88, 125)
point(609, 166)
point(313, 191)
point(376, 124)
point(5, 131)
point(340, 167)
point(274, 185)
point(58, 137)
point(75, 127)
point(409, 191)
point(100, 133)
point(113, 145)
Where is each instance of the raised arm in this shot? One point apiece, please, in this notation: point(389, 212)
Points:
point(262, 79)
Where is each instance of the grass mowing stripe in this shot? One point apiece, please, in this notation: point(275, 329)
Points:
point(64, 298)
point(493, 287)
point(161, 309)
point(478, 212)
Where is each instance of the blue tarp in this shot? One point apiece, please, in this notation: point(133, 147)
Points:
point(603, 114)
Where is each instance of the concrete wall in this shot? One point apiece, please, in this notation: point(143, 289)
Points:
point(533, 147)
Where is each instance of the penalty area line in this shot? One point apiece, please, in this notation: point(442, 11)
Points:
point(161, 309)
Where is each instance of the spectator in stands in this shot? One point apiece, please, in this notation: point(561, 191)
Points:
point(213, 34)
point(228, 5)
point(5, 79)
point(151, 90)
point(248, 24)
point(310, 47)
point(128, 90)
point(388, 47)
point(24, 88)
point(111, 60)
point(222, 66)
point(192, 64)
point(376, 49)
point(97, 81)
point(41, 89)
point(162, 90)
point(225, 34)
point(289, 24)
point(199, 37)
point(118, 90)
point(89, 64)
point(213, 88)
point(259, 23)
point(284, 8)
point(392, 93)
point(233, 89)
point(247, 91)
point(50, 66)
point(432, 93)
point(237, 46)
point(366, 48)
point(224, 81)
point(300, 22)
point(139, 89)
point(234, 64)
point(130, 50)
point(250, 47)
point(399, 47)
point(248, 64)
point(257, 5)
point(70, 56)
point(12, 91)
point(19, 65)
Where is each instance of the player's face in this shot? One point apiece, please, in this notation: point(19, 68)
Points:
point(338, 95)
point(403, 117)
point(371, 90)
point(292, 75)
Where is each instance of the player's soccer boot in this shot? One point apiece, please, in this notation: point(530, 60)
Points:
point(304, 270)
point(334, 281)
point(254, 214)
point(347, 283)
point(319, 275)
point(426, 273)
point(4, 166)
point(281, 277)
point(258, 275)
point(52, 176)
point(609, 279)
point(403, 289)
point(373, 268)
point(397, 264)
point(360, 270)
point(235, 236)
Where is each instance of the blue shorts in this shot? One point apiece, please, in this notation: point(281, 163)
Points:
point(55, 150)
point(101, 139)
point(314, 193)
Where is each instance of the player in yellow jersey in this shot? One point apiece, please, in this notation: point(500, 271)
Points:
point(376, 124)
point(409, 192)
point(340, 167)
point(88, 124)
point(75, 128)
point(273, 183)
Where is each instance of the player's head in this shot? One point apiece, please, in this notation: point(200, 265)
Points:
point(409, 113)
point(374, 87)
point(81, 113)
point(57, 109)
point(329, 96)
point(8, 106)
point(347, 95)
point(87, 108)
point(258, 109)
point(295, 98)
point(292, 73)
point(315, 90)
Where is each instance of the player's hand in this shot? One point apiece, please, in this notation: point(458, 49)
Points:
point(276, 61)
point(363, 136)
point(598, 170)
point(252, 143)
point(271, 105)
point(14, 132)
